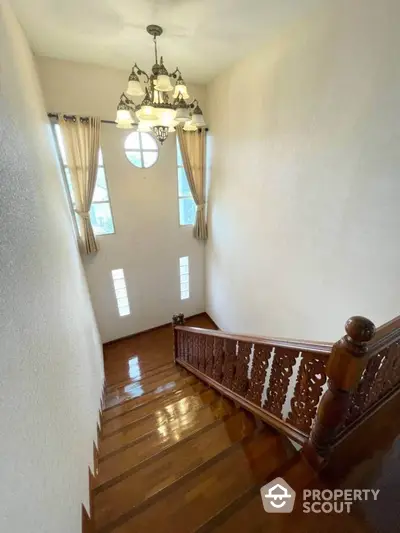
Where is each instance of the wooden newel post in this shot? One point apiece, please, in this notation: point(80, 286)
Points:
point(344, 368)
point(177, 320)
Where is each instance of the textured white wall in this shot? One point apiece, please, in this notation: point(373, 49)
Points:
point(304, 214)
point(51, 371)
point(148, 240)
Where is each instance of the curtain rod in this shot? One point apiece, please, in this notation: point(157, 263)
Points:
point(55, 116)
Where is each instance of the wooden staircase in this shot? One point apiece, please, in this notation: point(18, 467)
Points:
point(178, 456)
point(185, 445)
point(174, 455)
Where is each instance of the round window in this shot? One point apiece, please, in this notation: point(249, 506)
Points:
point(141, 149)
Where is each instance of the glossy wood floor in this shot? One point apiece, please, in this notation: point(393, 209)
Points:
point(176, 457)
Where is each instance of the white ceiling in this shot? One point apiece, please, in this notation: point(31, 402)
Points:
point(201, 36)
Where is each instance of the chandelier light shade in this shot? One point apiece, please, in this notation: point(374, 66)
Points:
point(126, 117)
point(182, 110)
point(123, 115)
point(134, 88)
point(182, 115)
point(189, 126)
point(180, 89)
point(197, 117)
point(158, 112)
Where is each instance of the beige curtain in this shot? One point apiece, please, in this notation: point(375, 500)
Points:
point(193, 147)
point(82, 141)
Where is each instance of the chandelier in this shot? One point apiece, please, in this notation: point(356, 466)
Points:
point(159, 111)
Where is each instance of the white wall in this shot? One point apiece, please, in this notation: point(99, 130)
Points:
point(304, 207)
point(148, 240)
point(51, 371)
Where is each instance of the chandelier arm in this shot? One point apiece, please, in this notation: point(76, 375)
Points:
point(192, 103)
point(141, 72)
point(175, 73)
point(125, 100)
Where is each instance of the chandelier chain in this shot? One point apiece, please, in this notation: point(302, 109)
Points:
point(155, 49)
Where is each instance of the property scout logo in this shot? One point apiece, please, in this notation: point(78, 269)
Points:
point(279, 497)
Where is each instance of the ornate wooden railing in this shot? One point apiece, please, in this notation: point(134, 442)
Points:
point(379, 381)
point(315, 393)
point(281, 381)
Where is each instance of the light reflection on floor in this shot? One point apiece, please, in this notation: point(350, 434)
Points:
point(165, 387)
point(134, 368)
point(133, 391)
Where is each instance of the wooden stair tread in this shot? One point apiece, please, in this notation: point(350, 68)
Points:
point(159, 392)
point(189, 504)
point(127, 436)
point(115, 374)
point(133, 412)
point(160, 421)
point(113, 384)
point(159, 440)
point(247, 512)
point(159, 413)
point(166, 469)
point(145, 386)
point(250, 517)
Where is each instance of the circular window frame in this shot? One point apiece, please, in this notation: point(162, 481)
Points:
point(141, 150)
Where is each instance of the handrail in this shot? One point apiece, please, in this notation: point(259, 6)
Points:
point(386, 329)
point(314, 392)
point(363, 373)
point(383, 342)
point(321, 348)
point(384, 334)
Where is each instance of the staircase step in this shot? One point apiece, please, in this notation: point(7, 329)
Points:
point(160, 414)
point(188, 504)
point(161, 439)
point(245, 514)
point(142, 387)
point(248, 512)
point(157, 422)
point(111, 386)
point(115, 410)
point(132, 412)
point(151, 477)
point(130, 435)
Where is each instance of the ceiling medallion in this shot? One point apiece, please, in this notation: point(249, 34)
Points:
point(158, 112)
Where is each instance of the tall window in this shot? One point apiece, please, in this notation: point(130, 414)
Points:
point(121, 293)
point(100, 210)
point(187, 207)
point(184, 277)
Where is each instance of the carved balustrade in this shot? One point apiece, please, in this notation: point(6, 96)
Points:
point(316, 393)
point(278, 380)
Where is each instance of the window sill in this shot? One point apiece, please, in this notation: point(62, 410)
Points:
point(104, 234)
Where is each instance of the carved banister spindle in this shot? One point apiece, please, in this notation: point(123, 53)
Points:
point(177, 320)
point(346, 363)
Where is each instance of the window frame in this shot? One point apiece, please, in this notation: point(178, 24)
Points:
point(183, 196)
point(64, 168)
point(141, 150)
point(184, 263)
point(118, 274)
